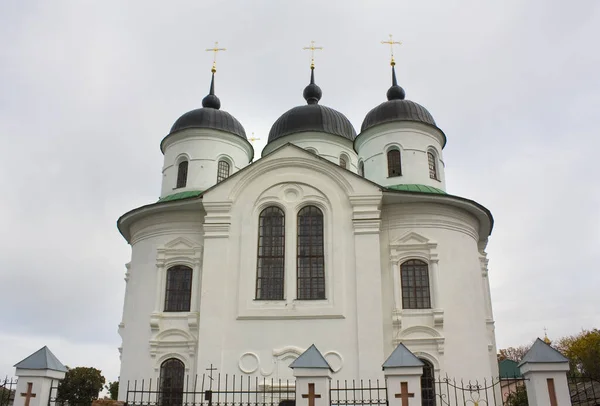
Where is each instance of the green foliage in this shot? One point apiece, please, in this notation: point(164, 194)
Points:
point(518, 397)
point(583, 351)
point(81, 386)
point(113, 389)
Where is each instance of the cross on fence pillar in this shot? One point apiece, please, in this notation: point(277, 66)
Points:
point(313, 374)
point(37, 375)
point(545, 370)
point(403, 370)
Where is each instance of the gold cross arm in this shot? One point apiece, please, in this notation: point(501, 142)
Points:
point(312, 49)
point(391, 43)
point(215, 49)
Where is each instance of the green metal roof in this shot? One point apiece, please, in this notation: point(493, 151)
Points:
point(417, 188)
point(181, 195)
point(509, 369)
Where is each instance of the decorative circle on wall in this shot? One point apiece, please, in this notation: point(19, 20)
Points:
point(292, 193)
point(335, 360)
point(248, 362)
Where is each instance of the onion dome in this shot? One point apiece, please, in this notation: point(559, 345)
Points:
point(209, 116)
point(312, 117)
point(397, 109)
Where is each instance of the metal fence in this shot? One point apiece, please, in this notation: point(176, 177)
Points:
point(8, 386)
point(496, 392)
point(585, 391)
point(357, 393)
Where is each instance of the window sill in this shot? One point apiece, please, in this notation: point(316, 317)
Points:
point(394, 176)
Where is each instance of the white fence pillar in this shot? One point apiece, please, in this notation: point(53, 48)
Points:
point(36, 375)
point(313, 375)
point(403, 371)
point(546, 372)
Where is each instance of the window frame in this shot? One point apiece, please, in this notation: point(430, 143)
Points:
point(259, 289)
point(221, 171)
point(314, 292)
point(410, 294)
point(182, 174)
point(361, 169)
point(394, 166)
point(344, 161)
point(434, 173)
point(179, 304)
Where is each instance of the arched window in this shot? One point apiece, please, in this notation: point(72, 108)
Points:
point(182, 172)
point(179, 289)
point(172, 373)
point(415, 285)
point(432, 165)
point(427, 384)
point(311, 256)
point(271, 254)
point(222, 171)
point(361, 169)
point(343, 162)
point(394, 164)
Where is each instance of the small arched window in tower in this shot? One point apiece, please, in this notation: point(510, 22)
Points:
point(311, 256)
point(361, 169)
point(415, 285)
point(178, 293)
point(182, 172)
point(222, 171)
point(343, 162)
point(271, 254)
point(432, 165)
point(172, 373)
point(394, 163)
point(427, 384)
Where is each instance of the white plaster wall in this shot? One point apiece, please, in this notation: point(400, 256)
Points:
point(203, 148)
point(459, 344)
point(413, 140)
point(327, 146)
point(145, 295)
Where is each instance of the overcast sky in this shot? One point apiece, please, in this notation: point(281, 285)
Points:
point(88, 90)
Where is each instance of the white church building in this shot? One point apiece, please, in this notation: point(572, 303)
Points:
point(343, 240)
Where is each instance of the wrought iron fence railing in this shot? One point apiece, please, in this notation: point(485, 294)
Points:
point(584, 390)
point(8, 386)
point(358, 393)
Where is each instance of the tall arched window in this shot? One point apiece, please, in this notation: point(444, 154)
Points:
point(394, 163)
point(271, 254)
point(343, 162)
point(172, 373)
point(415, 285)
point(361, 169)
point(311, 256)
point(427, 384)
point(222, 171)
point(178, 293)
point(432, 165)
point(182, 172)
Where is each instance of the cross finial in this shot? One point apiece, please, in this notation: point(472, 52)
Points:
point(253, 138)
point(215, 49)
point(391, 43)
point(312, 49)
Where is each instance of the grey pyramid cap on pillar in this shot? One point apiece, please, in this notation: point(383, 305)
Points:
point(542, 353)
point(402, 357)
point(42, 359)
point(311, 358)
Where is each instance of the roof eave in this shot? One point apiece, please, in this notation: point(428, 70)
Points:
point(362, 131)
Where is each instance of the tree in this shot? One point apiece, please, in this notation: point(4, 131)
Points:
point(81, 386)
point(518, 397)
point(513, 353)
point(583, 351)
point(113, 389)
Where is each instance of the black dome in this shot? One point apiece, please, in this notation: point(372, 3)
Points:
point(208, 117)
point(312, 117)
point(397, 110)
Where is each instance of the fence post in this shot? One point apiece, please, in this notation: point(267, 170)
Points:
point(36, 375)
point(313, 375)
point(403, 371)
point(546, 372)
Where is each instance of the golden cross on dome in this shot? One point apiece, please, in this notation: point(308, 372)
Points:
point(253, 138)
point(391, 43)
point(312, 49)
point(215, 49)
